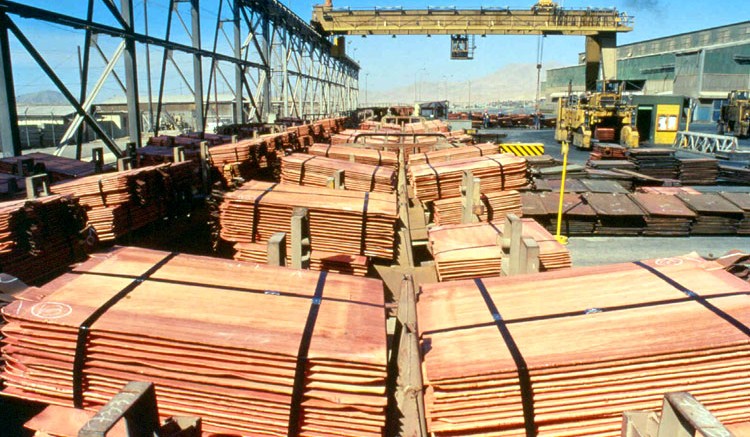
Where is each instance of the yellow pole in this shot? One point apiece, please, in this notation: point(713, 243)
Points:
point(562, 239)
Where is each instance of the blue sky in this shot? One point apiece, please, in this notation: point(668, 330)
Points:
point(388, 62)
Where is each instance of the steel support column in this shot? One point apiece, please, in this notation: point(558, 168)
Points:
point(266, 48)
point(11, 140)
point(608, 43)
point(239, 107)
point(131, 77)
point(593, 62)
point(200, 122)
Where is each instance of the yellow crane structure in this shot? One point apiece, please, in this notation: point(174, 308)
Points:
point(599, 26)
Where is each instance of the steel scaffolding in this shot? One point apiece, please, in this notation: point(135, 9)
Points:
point(281, 65)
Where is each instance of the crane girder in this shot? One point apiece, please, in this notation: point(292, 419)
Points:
point(484, 21)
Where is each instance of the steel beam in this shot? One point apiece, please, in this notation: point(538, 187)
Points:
point(267, 54)
point(593, 62)
point(11, 140)
point(77, 23)
point(239, 108)
point(60, 85)
point(199, 120)
point(84, 74)
point(131, 77)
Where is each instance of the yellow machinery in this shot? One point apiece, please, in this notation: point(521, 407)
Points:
point(603, 115)
point(735, 114)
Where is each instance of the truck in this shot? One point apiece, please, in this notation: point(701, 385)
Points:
point(604, 115)
point(735, 114)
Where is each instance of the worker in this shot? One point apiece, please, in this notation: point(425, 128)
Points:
point(486, 119)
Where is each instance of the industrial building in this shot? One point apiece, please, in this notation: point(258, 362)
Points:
point(703, 66)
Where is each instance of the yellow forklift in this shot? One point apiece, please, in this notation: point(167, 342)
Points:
point(735, 114)
point(603, 115)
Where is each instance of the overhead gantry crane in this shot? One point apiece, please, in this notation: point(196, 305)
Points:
point(599, 26)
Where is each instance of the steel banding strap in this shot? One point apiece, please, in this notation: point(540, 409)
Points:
point(481, 152)
point(698, 298)
point(437, 178)
point(79, 360)
point(302, 169)
point(372, 178)
point(256, 209)
point(363, 231)
point(502, 172)
point(328, 149)
point(524, 379)
point(380, 157)
point(298, 389)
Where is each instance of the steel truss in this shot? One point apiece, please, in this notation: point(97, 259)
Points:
point(271, 61)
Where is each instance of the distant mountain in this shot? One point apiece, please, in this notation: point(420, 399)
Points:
point(512, 82)
point(47, 97)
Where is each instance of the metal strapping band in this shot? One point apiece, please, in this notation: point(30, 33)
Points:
point(372, 178)
point(79, 360)
point(363, 234)
point(256, 209)
point(524, 379)
point(302, 169)
point(437, 178)
point(481, 152)
point(698, 298)
point(327, 149)
point(380, 157)
point(502, 172)
point(298, 390)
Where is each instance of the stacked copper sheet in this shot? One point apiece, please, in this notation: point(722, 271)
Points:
point(607, 151)
point(564, 353)
point(495, 206)
point(341, 221)
point(666, 215)
point(250, 349)
point(617, 214)
point(453, 153)
point(657, 163)
point(742, 201)
point(533, 207)
point(735, 174)
point(59, 168)
point(667, 190)
point(473, 250)
point(716, 214)
point(155, 155)
point(356, 265)
point(310, 170)
point(356, 154)
point(120, 202)
point(245, 159)
point(698, 171)
point(443, 179)
point(40, 237)
point(578, 217)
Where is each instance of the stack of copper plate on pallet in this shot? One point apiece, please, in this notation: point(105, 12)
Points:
point(121, 202)
point(356, 154)
point(735, 174)
point(59, 168)
point(503, 358)
point(341, 221)
point(607, 151)
point(356, 265)
point(532, 207)
point(541, 161)
point(666, 215)
point(310, 170)
point(244, 159)
point(443, 179)
point(657, 163)
point(606, 134)
point(578, 217)
point(617, 214)
point(40, 237)
point(698, 171)
point(742, 201)
point(453, 153)
point(495, 206)
point(155, 155)
point(250, 349)
point(716, 214)
point(672, 191)
point(473, 251)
